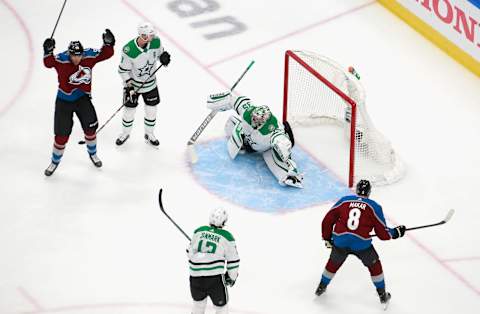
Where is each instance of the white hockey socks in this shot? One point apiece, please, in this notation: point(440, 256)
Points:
point(127, 121)
point(199, 306)
point(221, 309)
point(150, 119)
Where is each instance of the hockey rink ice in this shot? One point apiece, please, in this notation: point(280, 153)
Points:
point(94, 241)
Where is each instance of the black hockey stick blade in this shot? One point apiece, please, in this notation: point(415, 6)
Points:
point(160, 203)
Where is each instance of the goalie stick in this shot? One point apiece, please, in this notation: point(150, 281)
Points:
point(445, 220)
point(81, 142)
point(191, 143)
point(160, 203)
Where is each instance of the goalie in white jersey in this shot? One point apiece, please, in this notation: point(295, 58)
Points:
point(256, 129)
point(214, 262)
point(139, 57)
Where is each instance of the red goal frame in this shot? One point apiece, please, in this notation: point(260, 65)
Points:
point(289, 54)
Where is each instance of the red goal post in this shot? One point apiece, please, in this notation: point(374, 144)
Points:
point(318, 91)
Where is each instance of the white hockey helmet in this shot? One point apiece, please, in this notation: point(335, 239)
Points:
point(218, 217)
point(146, 28)
point(260, 115)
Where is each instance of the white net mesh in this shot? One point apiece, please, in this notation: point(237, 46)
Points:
point(320, 94)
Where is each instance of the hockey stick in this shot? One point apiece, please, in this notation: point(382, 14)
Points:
point(58, 19)
point(190, 144)
point(160, 203)
point(445, 220)
point(81, 142)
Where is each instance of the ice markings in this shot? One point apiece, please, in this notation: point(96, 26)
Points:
point(247, 181)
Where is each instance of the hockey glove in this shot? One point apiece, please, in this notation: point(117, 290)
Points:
point(165, 58)
point(328, 244)
point(129, 95)
point(398, 232)
point(220, 101)
point(229, 281)
point(48, 46)
point(108, 38)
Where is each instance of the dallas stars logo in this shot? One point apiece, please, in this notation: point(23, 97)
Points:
point(145, 70)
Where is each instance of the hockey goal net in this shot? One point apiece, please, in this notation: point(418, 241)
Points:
point(321, 96)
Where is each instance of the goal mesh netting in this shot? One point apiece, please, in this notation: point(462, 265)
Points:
point(320, 94)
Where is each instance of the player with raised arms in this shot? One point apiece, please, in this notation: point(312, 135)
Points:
point(74, 68)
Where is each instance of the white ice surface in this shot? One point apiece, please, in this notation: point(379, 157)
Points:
point(94, 241)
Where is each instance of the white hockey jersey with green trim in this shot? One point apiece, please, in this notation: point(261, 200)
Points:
point(138, 63)
point(260, 139)
point(212, 251)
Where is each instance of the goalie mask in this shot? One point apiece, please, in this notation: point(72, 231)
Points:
point(260, 115)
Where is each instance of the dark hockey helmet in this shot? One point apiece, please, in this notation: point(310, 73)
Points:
point(364, 188)
point(75, 48)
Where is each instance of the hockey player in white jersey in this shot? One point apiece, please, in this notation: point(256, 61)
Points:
point(256, 129)
point(139, 57)
point(214, 263)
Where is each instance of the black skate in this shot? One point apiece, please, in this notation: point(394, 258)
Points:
point(51, 169)
point(95, 160)
point(151, 139)
point(385, 299)
point(320, 289)
point(122, 139)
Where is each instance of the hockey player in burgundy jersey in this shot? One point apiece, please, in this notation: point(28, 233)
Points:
point(74, 68)
point(346, 230)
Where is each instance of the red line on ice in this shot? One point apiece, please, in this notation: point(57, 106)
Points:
point(461, 259)
point(442, 263)
point(296, 32)
point(110, 306)
point(30, 299)
point(28, 74)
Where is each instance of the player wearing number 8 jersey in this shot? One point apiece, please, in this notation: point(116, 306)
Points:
point(214, 262)
point(346, 230)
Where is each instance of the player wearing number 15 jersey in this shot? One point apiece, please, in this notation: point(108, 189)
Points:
point(346, 230)
point(214, 263)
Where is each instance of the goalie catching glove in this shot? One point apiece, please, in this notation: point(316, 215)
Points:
point(220, 101)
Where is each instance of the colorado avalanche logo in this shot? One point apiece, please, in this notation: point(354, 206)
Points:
point(82, 76)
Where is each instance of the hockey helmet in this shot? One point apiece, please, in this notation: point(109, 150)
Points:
point(75, 48)
point(260, 115)
point(364, 188)
point(218, 217)
point(146, 29)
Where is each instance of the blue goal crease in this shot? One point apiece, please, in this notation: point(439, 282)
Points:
point(247, 181)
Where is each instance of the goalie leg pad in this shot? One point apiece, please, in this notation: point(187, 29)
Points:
point(231, 124)
point(286, 172)
point(282, 146)
point(235, 140)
